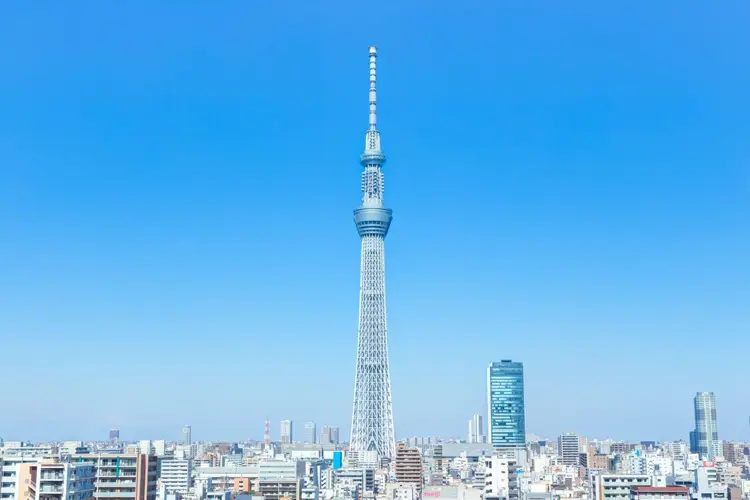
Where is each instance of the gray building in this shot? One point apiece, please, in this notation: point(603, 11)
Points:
point(287, 431)
point(705, 439)
point(569, 448)
point(310, 432)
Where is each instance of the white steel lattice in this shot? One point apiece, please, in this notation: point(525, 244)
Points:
point(372, 418)
point(372, 415)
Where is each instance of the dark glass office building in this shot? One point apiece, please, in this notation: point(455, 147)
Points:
point(505, 414)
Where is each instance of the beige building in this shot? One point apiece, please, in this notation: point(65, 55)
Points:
point(408, 466)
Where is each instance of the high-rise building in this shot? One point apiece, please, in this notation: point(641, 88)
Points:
point(476, 429)
point(114, 435)
point(329, 435)
point(287, 431)
point(372, 415)
point(335, 435)
point(187, 437)
point(505, 413)
point(310, 432)
point(706, 437)
point(568, 448)
point(408, 466)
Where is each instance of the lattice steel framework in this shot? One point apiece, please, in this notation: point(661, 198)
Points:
point(372, 416)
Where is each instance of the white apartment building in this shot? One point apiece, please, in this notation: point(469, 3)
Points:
point(176, 474)
point(500, 478)
point(401, 491)
point(569, 449)
point(617, 486)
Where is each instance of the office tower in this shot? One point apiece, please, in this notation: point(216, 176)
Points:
point(310, 430)
point(408, 466)
point(505, 413)
point(122, 476)
point(568, 448)
point(176, 474)
point(187, 437)
point(335, 435)
point(114, 435)
point(325, 435)
point(372, 414)
point(478, 428)
point(329, 435)
point(706, 437)
point(287, 428)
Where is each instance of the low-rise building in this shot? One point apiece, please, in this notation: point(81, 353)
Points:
point(659, 493)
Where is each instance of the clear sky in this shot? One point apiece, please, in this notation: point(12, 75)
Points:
point(570, 184)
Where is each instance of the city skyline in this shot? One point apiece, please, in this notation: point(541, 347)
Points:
point(592, 200)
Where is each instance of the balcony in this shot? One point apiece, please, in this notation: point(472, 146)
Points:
point(52, 477)
point(115, 494)
point(50, 489)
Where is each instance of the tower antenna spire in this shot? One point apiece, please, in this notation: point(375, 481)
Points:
point(373, 90)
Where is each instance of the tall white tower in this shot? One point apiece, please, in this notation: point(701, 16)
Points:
point(372, 416)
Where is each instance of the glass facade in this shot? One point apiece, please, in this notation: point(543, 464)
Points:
point(506, 414)
point(705, 438)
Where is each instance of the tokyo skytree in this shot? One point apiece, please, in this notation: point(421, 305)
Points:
point(372, 416)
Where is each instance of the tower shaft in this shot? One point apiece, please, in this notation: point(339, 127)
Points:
point(372, 415)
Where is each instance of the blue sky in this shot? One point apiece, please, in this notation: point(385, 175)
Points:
point(570, 184)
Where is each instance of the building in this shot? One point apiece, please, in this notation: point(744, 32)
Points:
point(335, 435)
point(114, 436)
point(235, 478)
point(478, 426)
point(176, 474)
point(372, 414)
point(287, 431)
point(476, 430)
point(408, 466)
point(705, 439)
point(310, 432)
point(329, 435)
point(707, 484)
point(505, 413)
point(53, 480)
point(12, 460)
point(569, 449)
point(351, 481)
point(121, 476)
point(659, 493)
point(500, 478)
point(401, 491)
point(279, 479)
point(617, 486)
point(187, 437)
